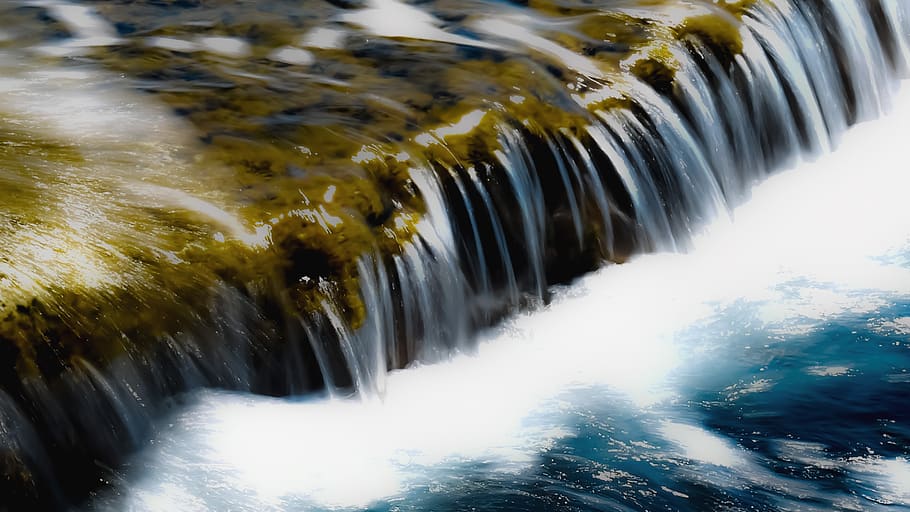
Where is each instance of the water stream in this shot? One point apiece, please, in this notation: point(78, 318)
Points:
point(768, 369)
point(493, 254)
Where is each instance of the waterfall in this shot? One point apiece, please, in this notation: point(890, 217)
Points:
point(551, 147)
point(656, 169)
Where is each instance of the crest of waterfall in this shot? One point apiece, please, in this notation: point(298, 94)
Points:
point(646, 164)
point(806, 72)
point(644, 176)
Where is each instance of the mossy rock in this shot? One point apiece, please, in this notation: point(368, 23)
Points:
point(314, 157)
point(319, 156)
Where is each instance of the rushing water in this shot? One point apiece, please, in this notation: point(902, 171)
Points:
point(280, 197)
point(769, 369)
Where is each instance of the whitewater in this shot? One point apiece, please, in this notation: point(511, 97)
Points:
point(766, 369)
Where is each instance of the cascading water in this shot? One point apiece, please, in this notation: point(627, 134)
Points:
point(351, 187)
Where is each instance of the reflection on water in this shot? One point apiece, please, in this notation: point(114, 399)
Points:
point(766, 370)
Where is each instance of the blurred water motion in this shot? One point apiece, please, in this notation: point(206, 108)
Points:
point(285, 197)
point(766, 370)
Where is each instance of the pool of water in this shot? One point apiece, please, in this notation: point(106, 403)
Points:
point(768, 369)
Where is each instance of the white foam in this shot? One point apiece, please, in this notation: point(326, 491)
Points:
point(703, 446)
point(818, 231)
point(887, 481)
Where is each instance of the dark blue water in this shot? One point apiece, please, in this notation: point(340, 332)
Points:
point(815, 421)
point(758, 419)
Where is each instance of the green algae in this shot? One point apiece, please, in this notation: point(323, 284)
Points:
point(718, 33)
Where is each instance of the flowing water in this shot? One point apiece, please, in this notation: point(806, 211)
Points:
point(281, 197)
point(768, 369)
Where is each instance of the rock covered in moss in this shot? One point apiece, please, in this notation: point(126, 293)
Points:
point(302, 169)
